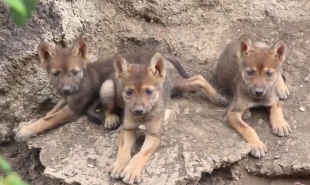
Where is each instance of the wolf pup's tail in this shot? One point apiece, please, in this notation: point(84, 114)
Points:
point(176, 63)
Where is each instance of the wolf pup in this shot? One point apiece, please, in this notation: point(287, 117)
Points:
point(74, 78)
point(143, 91)
point(251, 71)
point(111, 92)
point(78, 83)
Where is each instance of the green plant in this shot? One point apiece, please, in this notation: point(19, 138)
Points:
point(11, 178)
point(21, 10)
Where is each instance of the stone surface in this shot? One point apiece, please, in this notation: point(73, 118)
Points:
point(196, 139)
point(81, 152)
point(5, 133)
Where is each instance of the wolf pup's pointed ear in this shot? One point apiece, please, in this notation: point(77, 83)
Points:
point(245, 44)
point(46, 52)
point(121, 66)
point(157, 65)
point(279, 49)
point(80, 48)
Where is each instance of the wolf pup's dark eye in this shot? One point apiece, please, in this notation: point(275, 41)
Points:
point(250, 72)
point(129, 92)
point(269, 73)
point(75, 72)
point(148, 92)
point(56, 73)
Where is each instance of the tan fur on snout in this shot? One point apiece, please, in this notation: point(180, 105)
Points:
point(251, 71)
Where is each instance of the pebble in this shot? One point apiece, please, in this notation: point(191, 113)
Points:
point(215, 158)
point(286, 149)
point(197, 110)
point(302, 109)
point(307, 79)
point(277, 157)
point(260, 121)
point(186, 111)
point(90, 165)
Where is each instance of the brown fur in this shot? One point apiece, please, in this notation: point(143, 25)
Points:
point(113, 99)
point(143, 91)
point(78, 82)
point(252, 73)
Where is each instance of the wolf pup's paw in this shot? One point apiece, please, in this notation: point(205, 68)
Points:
point(117, 167)
point(258, 149)
point(219, 100)
point(132, 173)
point(283, 91)
point(282, 128)
point(112, 121)
point(25, 134)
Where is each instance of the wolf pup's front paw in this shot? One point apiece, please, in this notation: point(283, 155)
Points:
point(118, 166)
point(281, 128)
point(25, 134)
point(258, 149)
point(283, 91)
point(112, 121)
point(132, 173)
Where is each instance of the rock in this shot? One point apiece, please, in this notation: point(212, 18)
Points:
point(90, 165)
point(23, 83)
point(215, 158)
point(260, 121)
point(186, 110)
point(122, 26)
point(302, 109)
point(5, 133)
point(246, 115)
point(178, 159)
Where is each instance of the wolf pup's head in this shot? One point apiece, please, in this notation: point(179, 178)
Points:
point(142, 83)
point(260, 65)
point(64, 66)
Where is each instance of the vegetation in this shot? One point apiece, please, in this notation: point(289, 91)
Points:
point(11, 178)
point(21, 10)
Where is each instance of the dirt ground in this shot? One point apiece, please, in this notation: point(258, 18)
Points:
point(288, 160)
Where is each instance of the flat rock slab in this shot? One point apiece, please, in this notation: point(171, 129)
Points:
point(193, 142)
point(286, 156)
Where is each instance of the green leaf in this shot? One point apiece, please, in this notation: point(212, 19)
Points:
point(17, 5)
point(21, 10)
point(14, 179)
point(17, 18)
point(30, 7)
point(6, 167)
